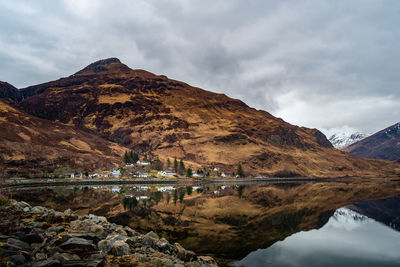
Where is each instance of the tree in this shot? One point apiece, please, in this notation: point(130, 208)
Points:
point(145, 157)
point(189, 172)
point(181, 167)
point(168, 163)
point(127, 158)
point(157, 165)
point(135, 157)
point(175, 165)
point(189, 190)
point(240, 171)
point(86, 173)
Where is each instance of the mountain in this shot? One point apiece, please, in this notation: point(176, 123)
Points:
point(30, 145)
point(343, 139)
point(384, 144)
point(152, 114)
point(7, 91)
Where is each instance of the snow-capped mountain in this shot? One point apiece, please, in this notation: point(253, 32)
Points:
point(344, 139)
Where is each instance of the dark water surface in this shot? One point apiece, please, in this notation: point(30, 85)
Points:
point(285, 224)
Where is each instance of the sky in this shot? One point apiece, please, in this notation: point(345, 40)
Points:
point(331, 65)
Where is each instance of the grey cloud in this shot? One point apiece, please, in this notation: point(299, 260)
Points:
point(315, 63)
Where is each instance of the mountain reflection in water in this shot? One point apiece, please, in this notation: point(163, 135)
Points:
point(226, 221)
point(348, 239)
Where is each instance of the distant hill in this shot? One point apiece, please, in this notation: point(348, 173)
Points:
point(384, 144)
point(153, 114)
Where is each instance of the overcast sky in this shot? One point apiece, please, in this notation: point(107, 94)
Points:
point(322, 64)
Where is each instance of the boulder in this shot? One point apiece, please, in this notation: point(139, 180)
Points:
point(47, 263)
point(18, 244)
point(70, 215)
point(183, 254)
point(17, 259)
point(164, 246)
point(78, 243)
point(207, 259)
point(104, 246)
point(120, 248)
point(39, 210)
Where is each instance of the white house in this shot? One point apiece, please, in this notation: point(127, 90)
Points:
point(116, 173)
point(197, 175)
point(217, 169)
point(129, 165)
point(223, 175)
point(142, 174)
point(166, 173)
point(143, 163)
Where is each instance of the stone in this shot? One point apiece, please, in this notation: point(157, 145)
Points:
point(97, 256)
point(56, 229)
point(40, 256)
point(207, 259)
point(66, 257)
point(26, 209)
point(70, 215)
point(96, 229)
point(38, 210)
point(32, 238)
point(152, 235)
point(18, 244)
point(130, 232)
point(23, 204)
point(18, 259)
point(119, 230)
point(164, 246)
point(120, 248)
point(115, 237)
point(47, 263)
point(183, 254)
point(78, 243)
point(104, 246)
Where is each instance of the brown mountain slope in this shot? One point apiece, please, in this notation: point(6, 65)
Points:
point(151, 113)
point(33, 145)
point(384, 144)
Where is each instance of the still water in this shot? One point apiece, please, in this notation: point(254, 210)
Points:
point(347, 239)
point(287, 224)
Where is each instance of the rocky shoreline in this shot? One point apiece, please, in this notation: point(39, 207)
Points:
point(37, 236)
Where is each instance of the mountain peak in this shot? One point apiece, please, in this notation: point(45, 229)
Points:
point(10, 92)
point(102, 66)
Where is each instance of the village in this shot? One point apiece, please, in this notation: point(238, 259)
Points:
point(147, 166)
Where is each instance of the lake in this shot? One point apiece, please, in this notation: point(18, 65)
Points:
point(348, 223)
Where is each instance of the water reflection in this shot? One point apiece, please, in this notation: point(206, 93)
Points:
point(226, 221)
point(348, 239)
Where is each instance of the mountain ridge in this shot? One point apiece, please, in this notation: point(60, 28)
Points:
point(152, 114)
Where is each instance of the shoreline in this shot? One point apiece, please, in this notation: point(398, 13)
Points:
point(155, 181)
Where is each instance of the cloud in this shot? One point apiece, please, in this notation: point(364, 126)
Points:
point(313, 63)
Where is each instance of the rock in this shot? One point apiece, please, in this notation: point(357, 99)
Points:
point(120, 248)
point(18, 244)
point(119, 230)
point(183, 254)
point(152, 235)
point(104, 246)
point(148, 241)
point(40, 256)
point(78, 243)
point(18, 259)
point(130, 232)
point(39, 210)
point(66, 257)
point(26, 209)
point(207, 259)
point(115, 237)
point(164, 246)
point(70, 215)
point(96, 229)
point(22, 204)
point(56, 229)
point(32, 238)
point(97, 256)
point(47, 263)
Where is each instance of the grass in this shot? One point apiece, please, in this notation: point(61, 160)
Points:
point(4, 201)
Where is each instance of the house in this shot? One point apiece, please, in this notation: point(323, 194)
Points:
point(217, 169)
point(142, 174)
point(142, 163)
point(115, 173)
point(166, 188)
point(166, 173)
point(78, 175)
point(197, 175)
point(223, 175)
point(69, 175)
point(129, 165)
